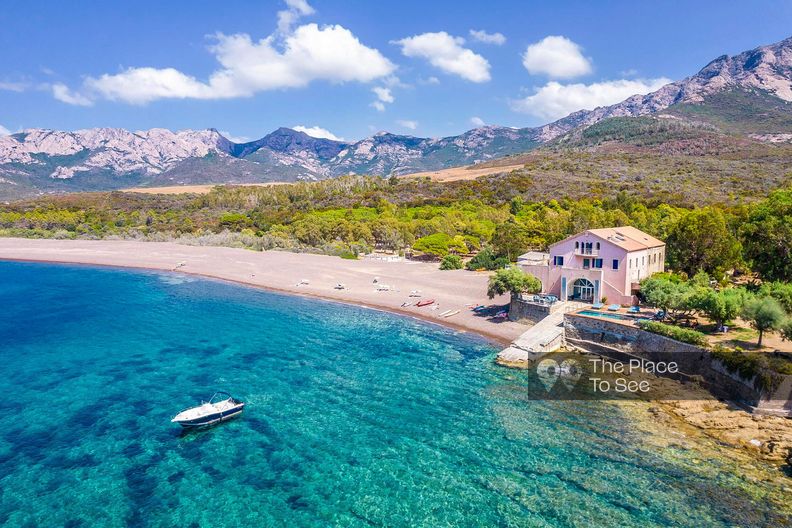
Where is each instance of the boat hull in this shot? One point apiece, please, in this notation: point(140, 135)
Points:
point(212, 419)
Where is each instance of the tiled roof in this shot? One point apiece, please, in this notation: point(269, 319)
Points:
point(626, 237)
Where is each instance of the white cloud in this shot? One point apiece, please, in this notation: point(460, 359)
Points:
point(430, 80)
point(295, 9)
point(4, 131)
point(62, 93)
point(234, 139)
point(317, 132)
point(406, 123)
point(477, 121)
point(488, 38)
point(555, 100)
point(290, 58)
point(384, 96)
point(557, 57)
point(13, 86)
point(445, 52)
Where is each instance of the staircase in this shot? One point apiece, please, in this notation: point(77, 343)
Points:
point(545, 336)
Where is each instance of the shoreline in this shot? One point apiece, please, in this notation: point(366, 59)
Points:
point(207, 262)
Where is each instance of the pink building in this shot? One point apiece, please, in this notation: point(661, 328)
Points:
point(596, 264)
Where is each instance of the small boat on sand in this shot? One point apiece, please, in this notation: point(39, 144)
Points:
point(211, 412)
point(450, 313)
point(425, 302)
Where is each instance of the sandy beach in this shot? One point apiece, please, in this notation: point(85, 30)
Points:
point(282, 271)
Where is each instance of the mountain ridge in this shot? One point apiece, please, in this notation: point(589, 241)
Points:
point(748, 94)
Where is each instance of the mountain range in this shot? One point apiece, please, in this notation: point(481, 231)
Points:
point(748, 95)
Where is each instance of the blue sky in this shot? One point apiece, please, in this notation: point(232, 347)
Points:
point(352, 68)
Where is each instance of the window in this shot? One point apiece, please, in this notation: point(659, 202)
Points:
point(586, 263)
point(577, 245)
point(558, 260)
point(615, 264)
point(598, 246)
point(598, 263)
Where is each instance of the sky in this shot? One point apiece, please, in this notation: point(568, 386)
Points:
point(348, 69)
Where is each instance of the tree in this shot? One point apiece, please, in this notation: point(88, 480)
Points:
point(767, 237)
point(511, 239)
point(780, 291)
point(486, 259)
point(235, 221)
point(764, 314)
point(451, 262)
point(514, 281)
point(670, 294)
point(786, 329)
point(701, 240)
point(440, 244)
point(721, 306)
point(516, 205)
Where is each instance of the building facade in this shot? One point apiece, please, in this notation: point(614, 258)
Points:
point(598, 264)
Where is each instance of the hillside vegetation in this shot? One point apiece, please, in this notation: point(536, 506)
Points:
point(352, 214)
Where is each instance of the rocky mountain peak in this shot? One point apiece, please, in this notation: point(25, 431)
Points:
point(766, 68)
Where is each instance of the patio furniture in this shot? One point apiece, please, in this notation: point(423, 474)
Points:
point(597, 306)
point(614, 308)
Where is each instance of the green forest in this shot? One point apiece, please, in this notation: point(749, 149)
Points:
point(352, 215)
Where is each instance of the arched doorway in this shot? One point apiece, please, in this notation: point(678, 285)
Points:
point(583, 290)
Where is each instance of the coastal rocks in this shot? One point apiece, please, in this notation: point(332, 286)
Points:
point(766, 437)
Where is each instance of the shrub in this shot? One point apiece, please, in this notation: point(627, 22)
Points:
point(451, 262)
point(750, 366)
point(684, 335)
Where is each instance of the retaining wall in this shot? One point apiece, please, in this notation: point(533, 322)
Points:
point(622, 342)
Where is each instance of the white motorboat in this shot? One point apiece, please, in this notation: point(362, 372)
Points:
point(211, 412)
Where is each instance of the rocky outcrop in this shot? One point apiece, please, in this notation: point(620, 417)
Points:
point(766, 68)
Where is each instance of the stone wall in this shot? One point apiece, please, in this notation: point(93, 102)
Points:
point(622, 342)
point(535, 312)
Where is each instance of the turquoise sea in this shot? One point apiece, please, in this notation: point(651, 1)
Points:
point(355, 418)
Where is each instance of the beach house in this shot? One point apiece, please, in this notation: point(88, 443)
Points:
point(597, 264)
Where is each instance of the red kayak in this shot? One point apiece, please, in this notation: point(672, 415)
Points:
point(425, 302)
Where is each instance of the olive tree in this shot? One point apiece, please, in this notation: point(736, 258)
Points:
point(764, 313)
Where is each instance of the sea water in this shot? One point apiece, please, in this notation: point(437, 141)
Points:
point(354, 417)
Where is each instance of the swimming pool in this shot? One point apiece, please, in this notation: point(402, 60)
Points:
point(606, 315)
